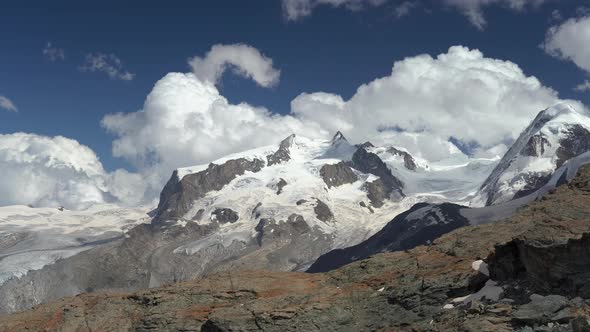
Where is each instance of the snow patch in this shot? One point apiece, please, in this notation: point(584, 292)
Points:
point(490, 291)
point(481, 267)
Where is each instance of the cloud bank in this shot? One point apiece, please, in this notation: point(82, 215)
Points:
point(7, 104)
point(57, 171)
point(245, 61)
point(45, 171)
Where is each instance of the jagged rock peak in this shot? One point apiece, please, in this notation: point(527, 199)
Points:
point(287, 142)
point(366, 145)
point(338, 137)
point(283, 153)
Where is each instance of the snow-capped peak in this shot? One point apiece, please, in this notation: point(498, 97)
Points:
point(556, 135)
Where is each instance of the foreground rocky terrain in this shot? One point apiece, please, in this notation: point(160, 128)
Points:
point(527, 273)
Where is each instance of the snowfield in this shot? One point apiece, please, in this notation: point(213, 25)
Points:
point(31, 238)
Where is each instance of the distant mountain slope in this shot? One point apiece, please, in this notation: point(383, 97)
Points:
point(555, 136)
point(417, 226)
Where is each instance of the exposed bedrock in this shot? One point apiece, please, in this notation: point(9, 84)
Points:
point(557, 267)
point(387, 186)
point(224, 215)
point(409, 161)
point(322, 211)
point(338, 174)
point(282, 154)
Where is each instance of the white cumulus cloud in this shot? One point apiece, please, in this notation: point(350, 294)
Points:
point(243, 59)
point(569, 41)
point(49, 171)
point(7, 104)
point(479, 101)
point(57, 171)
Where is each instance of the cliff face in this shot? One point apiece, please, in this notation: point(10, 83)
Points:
point(526, 273)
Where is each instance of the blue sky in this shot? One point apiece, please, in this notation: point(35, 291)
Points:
point(333, 50)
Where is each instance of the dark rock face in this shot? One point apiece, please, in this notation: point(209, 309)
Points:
point(255, 213)
point(383, 188)
point(224, 216)
point(409, 161)
point(178, 196)
point(547, 267)
point(322, 211)
point(377, 192)
point(282, 154)
point(535, 147)
point(282, 183)
point(576, 142)
point(337, 174)
point(420, 225)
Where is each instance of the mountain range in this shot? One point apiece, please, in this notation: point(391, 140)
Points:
point(299, 205)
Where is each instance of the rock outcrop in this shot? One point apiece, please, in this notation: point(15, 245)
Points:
point(224, 216)
point(409, 161)
point(476, 278)
point(282, 154)
point(335, 175)
point(386, 186)
point(322, 211)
